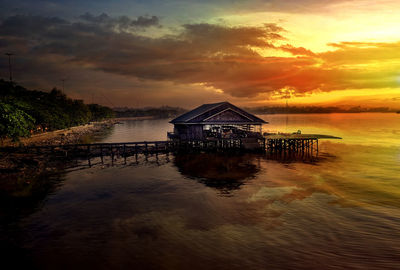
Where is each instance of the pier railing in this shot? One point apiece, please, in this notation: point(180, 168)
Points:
point(154, 147)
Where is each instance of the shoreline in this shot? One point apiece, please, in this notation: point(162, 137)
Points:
point(70, 135)
point(135, 118)
point(18, 170)
point(63, 136)
point(17, 167)
point(20, 173)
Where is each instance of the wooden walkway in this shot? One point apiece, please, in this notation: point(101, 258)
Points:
point(128, 148)
point(96, 149)
point(267, 144)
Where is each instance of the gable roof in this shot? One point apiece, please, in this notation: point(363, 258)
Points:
point(205, 112)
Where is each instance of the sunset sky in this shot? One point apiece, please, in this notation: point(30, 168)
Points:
point(187, 52)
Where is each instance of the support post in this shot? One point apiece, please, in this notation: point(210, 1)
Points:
point(101, 153)
point(124, 153)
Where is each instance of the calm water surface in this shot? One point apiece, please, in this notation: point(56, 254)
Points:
point(206, 211)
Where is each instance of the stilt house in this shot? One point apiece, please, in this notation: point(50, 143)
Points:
point(216, 121)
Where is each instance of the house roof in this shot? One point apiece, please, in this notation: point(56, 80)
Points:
point(217, 113)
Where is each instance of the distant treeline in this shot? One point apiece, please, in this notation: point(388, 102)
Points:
point(23, 111)
point(160, 112)
point(168, 112)
point(314, 109)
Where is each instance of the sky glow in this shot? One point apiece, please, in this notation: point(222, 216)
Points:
point(183, 53)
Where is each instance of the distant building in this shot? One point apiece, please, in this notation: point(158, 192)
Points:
point(216, 121)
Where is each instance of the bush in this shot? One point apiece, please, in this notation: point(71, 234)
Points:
point(14, 121)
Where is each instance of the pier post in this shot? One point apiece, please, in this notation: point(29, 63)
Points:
point(101, 154)
point(112, 155)
point(124, 153)
point(312, 146)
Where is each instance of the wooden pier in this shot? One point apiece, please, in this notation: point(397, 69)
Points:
point(295, 143)
point(292, 145)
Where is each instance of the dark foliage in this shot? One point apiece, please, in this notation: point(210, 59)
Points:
point(23, 112)
point(99, 112)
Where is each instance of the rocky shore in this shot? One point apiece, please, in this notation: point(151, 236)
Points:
point(65, 136)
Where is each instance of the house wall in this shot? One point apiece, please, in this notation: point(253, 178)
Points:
point(189, 132)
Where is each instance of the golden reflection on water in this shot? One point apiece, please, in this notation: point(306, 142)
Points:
point(379, 129)
point(339, 210)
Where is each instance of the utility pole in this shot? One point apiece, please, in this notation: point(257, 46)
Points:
point(9, 64)
point(63, 81)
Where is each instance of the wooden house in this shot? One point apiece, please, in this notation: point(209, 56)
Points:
point(216, 121)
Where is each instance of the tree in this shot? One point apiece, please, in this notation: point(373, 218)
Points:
point(99, 112)
point(14, 121)
point(22, 108)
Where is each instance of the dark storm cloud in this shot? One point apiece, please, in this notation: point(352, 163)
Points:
point(29, 26)
point(121, 22)
point(93, 42)
point(219, 56)
point(142, 21)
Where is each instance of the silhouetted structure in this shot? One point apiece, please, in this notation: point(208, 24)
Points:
point(216, 121)
point(9, 64)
